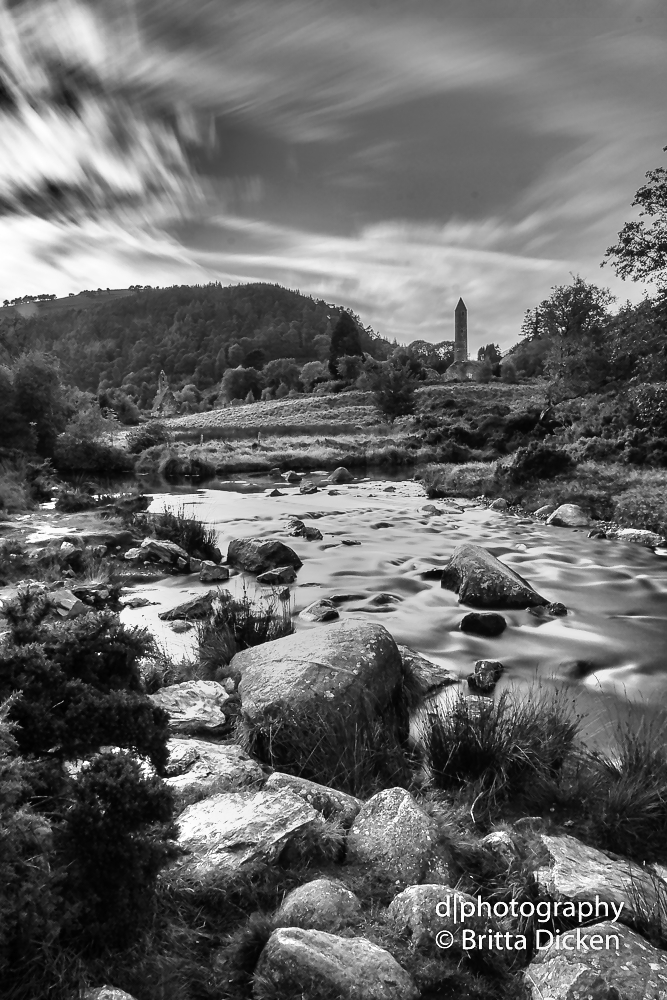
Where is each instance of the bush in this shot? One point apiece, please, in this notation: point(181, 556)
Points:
point(510, 748)
point(74, 454)
point(537, 461)
point(173, 466)
point(14, 489)
point(146, 436)
point(642, 506)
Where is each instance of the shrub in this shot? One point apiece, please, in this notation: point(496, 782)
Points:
point(173, 466)
point(513, 747)
point(146, 436)
point(14, 489)
point(642, 506)
point(73, 454)
point(650, 407)
point(537, 461)
point(190, 533)
point(393, 386)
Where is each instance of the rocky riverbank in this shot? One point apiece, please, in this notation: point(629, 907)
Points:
point(374, 821)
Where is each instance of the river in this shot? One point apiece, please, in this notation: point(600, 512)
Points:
point(609, 649)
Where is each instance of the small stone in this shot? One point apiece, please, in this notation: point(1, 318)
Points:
point(487, 625)
point(132, 554)
point(341, 475)
point(182, 564)
point(308, 489)
point(276, 493)
point(545, 510)
point(320, 611)
point(67, 605)
point(486, 675)
point(499, 504)
point(569, 515)
point(195, 564)
point(210, 572)
point(557, 609)
point(291, 477)
point(181, 626)
point(349, 541)
point(135, 602)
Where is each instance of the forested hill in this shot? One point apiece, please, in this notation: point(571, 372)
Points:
point(193, 333)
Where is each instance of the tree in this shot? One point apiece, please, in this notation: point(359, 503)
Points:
point(349, 367)
point(393, 386)
point(281, 370)
point(235, 355)
point(238, 382)
point(39, 398)
point(312, 372)
point(641, 251)
point(344, 340)
point(490, 353)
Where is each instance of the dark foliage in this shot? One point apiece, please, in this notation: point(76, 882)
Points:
point(146, 436)
point(345, 339)
point(537, 461)
point(191, 534)
point(236, 625)
point(73, 454)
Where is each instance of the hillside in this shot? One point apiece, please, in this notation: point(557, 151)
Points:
point(124, 338)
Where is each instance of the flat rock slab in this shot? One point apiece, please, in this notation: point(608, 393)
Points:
point(197, 769)
point(392, 833)
point(168, 552)
point(310, 964)
point(193, 706)
point(323, 905)
point(257, 555)
point(231, 829)
point(281, 574)
point(482, 581)
point(569, 515)
point(583, 875)
point(606, 962)
point(345, 664)
point(428, 675)
point(330, 802)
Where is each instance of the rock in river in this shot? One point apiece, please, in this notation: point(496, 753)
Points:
point(346, 665)
point(196, 609)
point(257, 555)
point(340, 475)
point(488, 625)
point(482, 581)
point(569, 515)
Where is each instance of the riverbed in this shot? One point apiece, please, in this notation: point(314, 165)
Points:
point(609, 649)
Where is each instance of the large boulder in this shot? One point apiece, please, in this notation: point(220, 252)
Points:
point(323, 905)
point(257, 555)
point(482, 581)
point(310, 964)
point(344, 665)
point(330, 802)
point(193, 706)
point(569, 515)
point(598, 886)
point(603, 961)
point(224, 832)
point(394, 835)
point(197, 769)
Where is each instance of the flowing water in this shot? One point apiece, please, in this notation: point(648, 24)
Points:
point(610, 648)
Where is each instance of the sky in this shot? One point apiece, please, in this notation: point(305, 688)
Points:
point(388, 156)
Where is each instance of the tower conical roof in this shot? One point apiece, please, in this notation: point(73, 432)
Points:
point(460, 305)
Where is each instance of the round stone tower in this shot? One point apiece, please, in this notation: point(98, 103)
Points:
point(460, 332)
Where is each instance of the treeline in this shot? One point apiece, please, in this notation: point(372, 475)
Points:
point(576, 341)
point(193, 334)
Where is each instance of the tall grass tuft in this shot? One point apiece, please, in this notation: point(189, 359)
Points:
point(190, 533)
point(359, 755)
point(239, 624)
point(508, 749)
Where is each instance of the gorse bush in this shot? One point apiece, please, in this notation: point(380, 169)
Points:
point(146, 436)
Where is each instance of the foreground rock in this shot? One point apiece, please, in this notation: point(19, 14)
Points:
point(344, 665)
point(569, 515)
point(210, 572)
point(323, 905)
point(232, 829)
point(197, 769)
point(606, 962)
point(298, 529)
point(482, 581)
point(310, 964)
point(394, 835)
point(257, 555)
point(582, 875)
point(330, 802)
point(193, 706)
point(162, 551)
